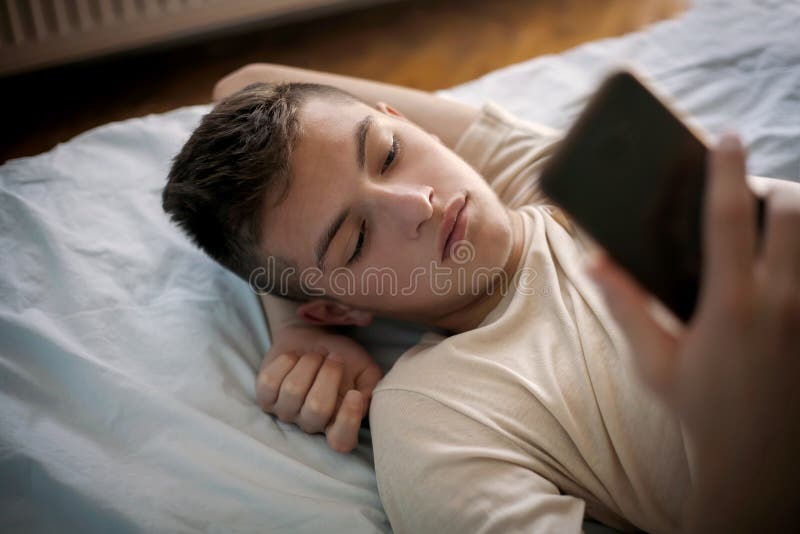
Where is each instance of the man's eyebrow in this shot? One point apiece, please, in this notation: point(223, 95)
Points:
point(362, 129)
point(361, 140)
point(327, 237)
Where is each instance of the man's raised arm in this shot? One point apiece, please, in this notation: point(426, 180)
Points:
point(443, 118)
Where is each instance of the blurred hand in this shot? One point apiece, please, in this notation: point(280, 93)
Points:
point(321, 382)
point(733, 374)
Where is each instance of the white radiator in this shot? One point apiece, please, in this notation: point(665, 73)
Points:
point(40, 33)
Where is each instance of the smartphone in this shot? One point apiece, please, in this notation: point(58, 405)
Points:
point(632, 174)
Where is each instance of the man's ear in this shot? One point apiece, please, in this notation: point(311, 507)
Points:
point(327, 312)
point(383, 107)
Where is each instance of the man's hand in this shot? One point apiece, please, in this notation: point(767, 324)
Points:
point(320, 381)
point(733, 374)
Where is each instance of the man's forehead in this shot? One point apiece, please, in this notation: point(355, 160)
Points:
point(320, 117)
point(323, 158)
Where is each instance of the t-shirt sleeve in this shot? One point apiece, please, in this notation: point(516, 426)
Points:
point(509, 153)
point(441, 471)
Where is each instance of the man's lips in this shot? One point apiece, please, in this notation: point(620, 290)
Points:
point(454, 225)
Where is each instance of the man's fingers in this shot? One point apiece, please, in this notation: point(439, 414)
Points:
point(320, 403)
point(270, 378)
point(366, 382)
point(342, 434)
point(781, 261)
point(782, 239)
point(295, 387)
point(652, 346)
point(729, 222)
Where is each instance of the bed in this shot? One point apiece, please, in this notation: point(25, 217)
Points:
point(128, 359)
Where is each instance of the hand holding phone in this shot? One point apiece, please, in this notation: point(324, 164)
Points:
point(731, 373)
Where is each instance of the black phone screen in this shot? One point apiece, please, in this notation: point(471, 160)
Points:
point(632, 175)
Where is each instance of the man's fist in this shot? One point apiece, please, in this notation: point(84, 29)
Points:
point(321, 382)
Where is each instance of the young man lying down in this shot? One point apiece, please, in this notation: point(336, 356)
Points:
point(528, 416)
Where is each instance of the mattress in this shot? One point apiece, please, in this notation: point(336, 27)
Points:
point(128, 358)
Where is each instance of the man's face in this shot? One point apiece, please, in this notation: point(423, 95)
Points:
point(376, 204)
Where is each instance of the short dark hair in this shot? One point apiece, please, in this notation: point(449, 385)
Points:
point(235, 165)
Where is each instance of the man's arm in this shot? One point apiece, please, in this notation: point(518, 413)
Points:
point(280, 313)
point(732, 373)
point(441, 471)
point(443, 118)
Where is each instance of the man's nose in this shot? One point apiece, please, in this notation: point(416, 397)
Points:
point(408, 206)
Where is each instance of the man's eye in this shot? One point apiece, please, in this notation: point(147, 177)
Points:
point(359, 243)
point(390, 157)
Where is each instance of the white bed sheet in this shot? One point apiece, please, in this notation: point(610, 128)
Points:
point(728, 64)
point(127, 358)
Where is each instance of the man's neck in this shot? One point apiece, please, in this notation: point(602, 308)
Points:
point(473, 314)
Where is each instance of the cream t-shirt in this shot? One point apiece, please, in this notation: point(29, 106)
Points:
point(535, 418)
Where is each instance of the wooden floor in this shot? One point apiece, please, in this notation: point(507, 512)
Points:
point(427, 44)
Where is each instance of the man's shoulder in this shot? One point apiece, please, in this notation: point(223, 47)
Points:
point(495, 127)
point(405, 372)
point(508, 152)
point(408, 393)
